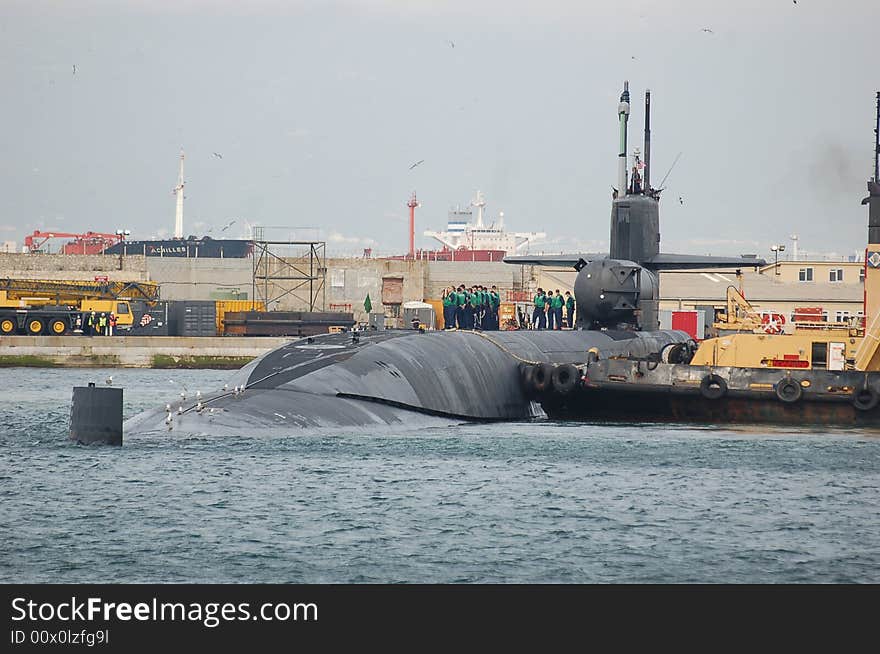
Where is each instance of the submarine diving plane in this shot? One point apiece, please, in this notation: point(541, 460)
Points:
point(405, 376)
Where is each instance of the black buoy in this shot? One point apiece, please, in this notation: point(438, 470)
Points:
point(96, 415)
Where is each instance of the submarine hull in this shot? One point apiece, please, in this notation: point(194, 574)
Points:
point(390, 377)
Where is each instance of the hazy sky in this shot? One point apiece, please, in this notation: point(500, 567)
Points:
point(319, 109)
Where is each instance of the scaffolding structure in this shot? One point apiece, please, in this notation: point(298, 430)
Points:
point(292, 270)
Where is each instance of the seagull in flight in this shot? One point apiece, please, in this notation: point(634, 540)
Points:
point(74, 69)
point(680, 201)
point(228, 225)
point(707, 30)
point(218, 155)
point(451, 43)
point(416, 163)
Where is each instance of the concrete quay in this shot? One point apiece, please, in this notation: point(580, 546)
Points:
point(222, 352)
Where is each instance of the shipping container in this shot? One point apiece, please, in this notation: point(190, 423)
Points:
point(149, 319)
point(192, 318)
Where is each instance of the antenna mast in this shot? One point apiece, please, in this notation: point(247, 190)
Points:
point(623, 117)
point(877, 143)
point(178, 191)
point(647, 180)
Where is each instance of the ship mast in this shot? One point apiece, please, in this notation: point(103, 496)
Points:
point(178, 191)
point(412, 204)
point(479, 203)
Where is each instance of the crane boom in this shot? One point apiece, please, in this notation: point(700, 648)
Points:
point(66, 292)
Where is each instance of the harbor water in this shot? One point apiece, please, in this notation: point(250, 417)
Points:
point(467, 503)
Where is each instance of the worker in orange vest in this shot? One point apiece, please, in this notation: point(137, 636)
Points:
point(112, 327)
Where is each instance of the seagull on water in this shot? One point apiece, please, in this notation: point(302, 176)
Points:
point(109, 380)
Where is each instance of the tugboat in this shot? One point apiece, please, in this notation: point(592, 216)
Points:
point(822, 374)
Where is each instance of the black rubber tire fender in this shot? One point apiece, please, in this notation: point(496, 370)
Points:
point(527, 379)
point(542, 376)
point(565, 378)
point(865, 398)
point(788, 390)
point(713, 387)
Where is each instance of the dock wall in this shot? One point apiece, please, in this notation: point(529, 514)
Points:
point(133, 351)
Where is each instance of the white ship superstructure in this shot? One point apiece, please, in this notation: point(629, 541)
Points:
point(461, 233)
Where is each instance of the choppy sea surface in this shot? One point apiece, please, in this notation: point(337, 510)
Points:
point(471, 503)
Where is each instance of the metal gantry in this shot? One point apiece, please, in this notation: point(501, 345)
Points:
point(289, 269)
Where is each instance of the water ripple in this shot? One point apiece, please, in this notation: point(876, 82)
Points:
point(525, 502)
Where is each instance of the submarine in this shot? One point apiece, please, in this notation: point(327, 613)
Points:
point(414, 377)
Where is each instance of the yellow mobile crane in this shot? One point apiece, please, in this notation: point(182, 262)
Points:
point(40, 306)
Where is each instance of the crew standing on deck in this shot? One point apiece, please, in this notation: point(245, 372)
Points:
point(474, 320)
point(551, 311)
point(538, 315)
point(494, 305)
point(459, 309)
point(569, 309)
point(450, 302)
point(556, 304)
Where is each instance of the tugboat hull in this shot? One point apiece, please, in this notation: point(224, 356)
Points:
point(629, 390)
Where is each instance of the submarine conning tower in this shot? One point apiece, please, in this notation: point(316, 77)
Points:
point(635, 228)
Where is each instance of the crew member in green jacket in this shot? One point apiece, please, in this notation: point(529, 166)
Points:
point(475, 307)
point(494, 305)
point(569, 309)
point(461, 297)
point(538, 315)
point(450, 302)
point(556, 304)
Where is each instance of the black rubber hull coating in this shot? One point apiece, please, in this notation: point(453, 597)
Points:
point(387, 377)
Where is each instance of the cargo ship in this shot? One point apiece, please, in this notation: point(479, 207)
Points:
point(465, 240)
point(203, 247)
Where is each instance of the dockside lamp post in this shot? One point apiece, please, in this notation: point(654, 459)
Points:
point(776, 249)
point(122, 233)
